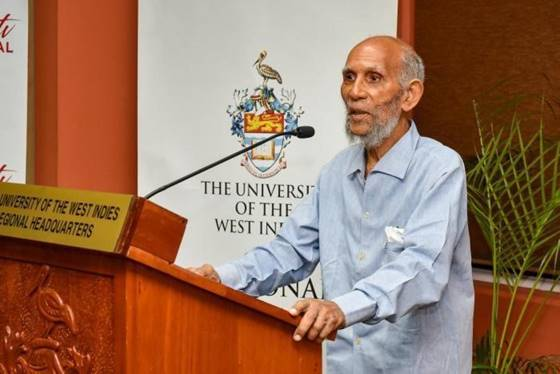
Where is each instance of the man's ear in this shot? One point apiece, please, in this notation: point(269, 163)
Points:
point(412, 95)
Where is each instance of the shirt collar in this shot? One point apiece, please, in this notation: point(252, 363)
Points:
point(395, 162)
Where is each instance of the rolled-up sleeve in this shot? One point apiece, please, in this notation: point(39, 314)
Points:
point(290, 257)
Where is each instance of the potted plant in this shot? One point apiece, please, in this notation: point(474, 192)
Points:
point(514, 195)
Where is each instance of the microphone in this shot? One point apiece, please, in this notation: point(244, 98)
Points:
point(304, 132)
point(301, 132)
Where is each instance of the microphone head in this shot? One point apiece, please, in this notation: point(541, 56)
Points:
point(303, 132)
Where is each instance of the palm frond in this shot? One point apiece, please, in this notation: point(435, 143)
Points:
point(514, 196)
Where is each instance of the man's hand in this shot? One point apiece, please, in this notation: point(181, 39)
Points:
point(320, 318)
point(207, 271)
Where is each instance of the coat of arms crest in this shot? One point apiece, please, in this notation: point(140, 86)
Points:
point(261, 114)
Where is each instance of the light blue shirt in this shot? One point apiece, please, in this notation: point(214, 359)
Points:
point(395, 256)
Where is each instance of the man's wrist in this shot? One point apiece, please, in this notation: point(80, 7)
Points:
point(356, 307)
point(229, 275)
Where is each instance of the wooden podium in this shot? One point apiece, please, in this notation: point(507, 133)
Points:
point(71, 310)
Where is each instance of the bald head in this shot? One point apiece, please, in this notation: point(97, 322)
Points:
point(382, 40)
point(397, 53)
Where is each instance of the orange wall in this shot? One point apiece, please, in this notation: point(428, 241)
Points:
point(544, 339)
point(405, 22)
point(85, 65)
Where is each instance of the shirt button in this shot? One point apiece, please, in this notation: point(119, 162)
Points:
point(357, 341)
point(361, 255)
point(366, 215)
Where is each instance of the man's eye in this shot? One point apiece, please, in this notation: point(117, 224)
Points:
point(348, 76)
point(373, 78)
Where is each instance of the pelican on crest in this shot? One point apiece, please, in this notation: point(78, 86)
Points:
point(266, 71)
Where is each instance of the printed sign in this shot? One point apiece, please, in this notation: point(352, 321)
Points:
point(85, 219)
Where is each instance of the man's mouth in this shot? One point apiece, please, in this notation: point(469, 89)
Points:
point(357, 114)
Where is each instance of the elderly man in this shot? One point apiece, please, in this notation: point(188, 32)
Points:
point(388, 223)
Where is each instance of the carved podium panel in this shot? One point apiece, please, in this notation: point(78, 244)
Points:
point(70, 310)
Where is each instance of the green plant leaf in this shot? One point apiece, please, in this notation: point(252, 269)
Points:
point(514, 196)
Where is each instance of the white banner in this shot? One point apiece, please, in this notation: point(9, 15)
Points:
point(13, 94)
point(218, 75)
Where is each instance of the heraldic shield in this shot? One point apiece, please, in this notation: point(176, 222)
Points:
point(260, 115)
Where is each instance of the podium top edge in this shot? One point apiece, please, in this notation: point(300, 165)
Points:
point(179, 273)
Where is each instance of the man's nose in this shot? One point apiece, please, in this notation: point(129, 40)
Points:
point(357, 91)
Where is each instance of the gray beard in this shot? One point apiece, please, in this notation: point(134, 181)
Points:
point(376, 135)
point(379, 130)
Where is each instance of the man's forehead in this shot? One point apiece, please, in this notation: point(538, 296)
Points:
point(375, 53)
